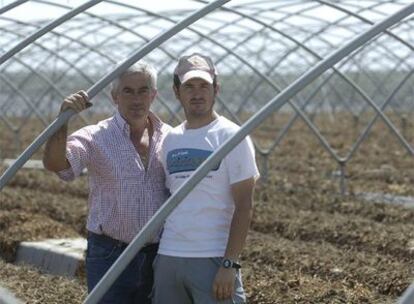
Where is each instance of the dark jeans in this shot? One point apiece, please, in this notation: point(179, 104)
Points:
point(134, 285)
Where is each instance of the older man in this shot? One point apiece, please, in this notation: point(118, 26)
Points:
point(126, 179)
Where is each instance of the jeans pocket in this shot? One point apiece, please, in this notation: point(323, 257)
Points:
point(98, 251)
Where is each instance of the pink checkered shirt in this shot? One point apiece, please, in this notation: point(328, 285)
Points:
point(123, 195)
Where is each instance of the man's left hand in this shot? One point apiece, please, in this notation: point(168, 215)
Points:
point(223, 285)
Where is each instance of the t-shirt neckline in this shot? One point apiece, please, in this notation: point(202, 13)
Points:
point(208, 126)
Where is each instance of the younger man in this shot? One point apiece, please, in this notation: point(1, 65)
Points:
point(197, 261)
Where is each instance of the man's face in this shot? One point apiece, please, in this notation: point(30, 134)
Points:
point(197, 97)
point(134, 97)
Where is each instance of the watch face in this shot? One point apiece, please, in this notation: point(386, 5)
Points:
point(226, 263)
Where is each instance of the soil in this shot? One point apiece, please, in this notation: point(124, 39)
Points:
point(307, 243)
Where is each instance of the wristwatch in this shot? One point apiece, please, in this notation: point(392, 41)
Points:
point(227, 263)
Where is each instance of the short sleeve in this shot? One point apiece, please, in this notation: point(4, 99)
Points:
point(241, 162)
point(78, 149)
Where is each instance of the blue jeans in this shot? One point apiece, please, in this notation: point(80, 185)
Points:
point(134, 285)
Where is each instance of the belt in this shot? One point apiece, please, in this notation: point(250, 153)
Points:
point(151, 247)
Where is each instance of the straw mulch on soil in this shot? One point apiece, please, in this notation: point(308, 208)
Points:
point(32, 286)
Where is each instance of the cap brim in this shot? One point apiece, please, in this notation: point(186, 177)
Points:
point(197, 74)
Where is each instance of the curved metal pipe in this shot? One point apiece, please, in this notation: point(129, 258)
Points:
point(11, 6)
point(45, 29)
point(62, 35)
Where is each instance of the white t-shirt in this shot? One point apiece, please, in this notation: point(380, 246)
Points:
point(200, 225)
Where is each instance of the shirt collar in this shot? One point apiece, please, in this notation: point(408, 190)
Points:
point(124, 126)
point(121, 123)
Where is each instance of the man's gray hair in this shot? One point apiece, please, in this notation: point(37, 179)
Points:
point(140, 67)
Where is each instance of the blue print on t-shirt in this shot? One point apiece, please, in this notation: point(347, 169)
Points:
point(181, 160)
